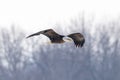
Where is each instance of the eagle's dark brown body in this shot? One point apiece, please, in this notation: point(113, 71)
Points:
point(54, 37)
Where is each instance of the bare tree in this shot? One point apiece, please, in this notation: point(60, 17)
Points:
point(12, 56)
point(32, 60)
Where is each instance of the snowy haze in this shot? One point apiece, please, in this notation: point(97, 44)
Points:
point(34, 15)
point(34, 59)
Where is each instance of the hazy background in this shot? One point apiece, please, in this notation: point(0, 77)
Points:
point(34, 59)
point(34, 15)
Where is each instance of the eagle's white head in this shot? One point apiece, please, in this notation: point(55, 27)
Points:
point(67, 39)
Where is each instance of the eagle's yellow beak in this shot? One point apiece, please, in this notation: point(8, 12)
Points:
point(48, 42)
point(69, 39)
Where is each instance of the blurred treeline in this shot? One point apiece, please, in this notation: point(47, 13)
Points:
point(28, 59)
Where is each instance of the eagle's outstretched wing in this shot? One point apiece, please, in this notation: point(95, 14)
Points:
point(51, 34)
point(48, 33)
point(78, 39)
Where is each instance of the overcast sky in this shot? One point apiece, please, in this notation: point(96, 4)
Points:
point(33, 15)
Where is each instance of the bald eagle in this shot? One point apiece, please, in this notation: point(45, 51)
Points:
point(54, 37)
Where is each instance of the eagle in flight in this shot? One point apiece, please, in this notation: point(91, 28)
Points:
point(54, 37)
